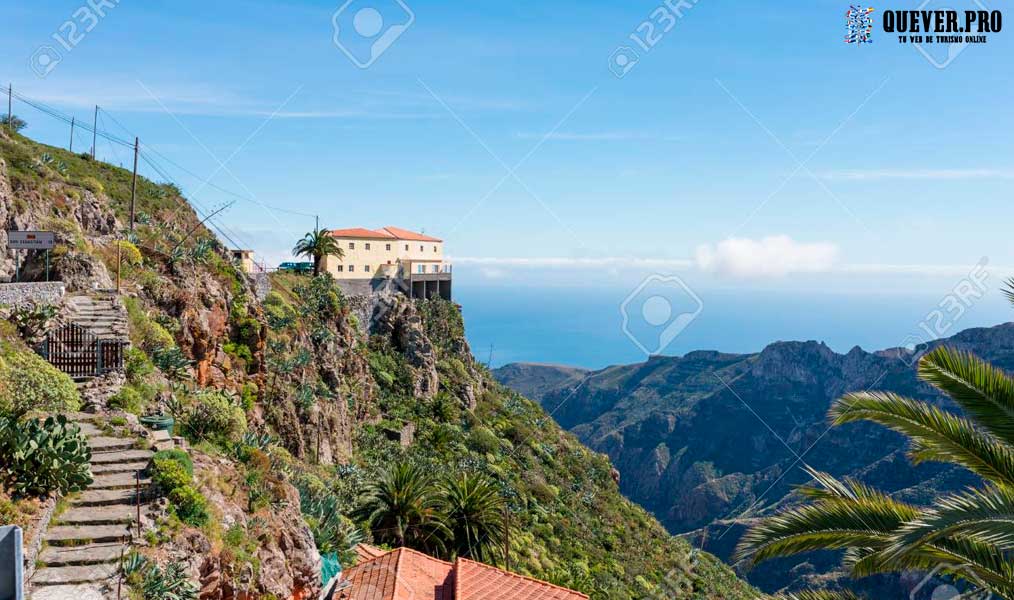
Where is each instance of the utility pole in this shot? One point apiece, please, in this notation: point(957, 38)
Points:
point(95, 130)
point(133, 183)
point(71, 134)
point(316, 226)
point(10, 108)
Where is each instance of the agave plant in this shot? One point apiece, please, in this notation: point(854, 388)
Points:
point(968, 535)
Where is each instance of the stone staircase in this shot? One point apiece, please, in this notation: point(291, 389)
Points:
point(85, 542)
point(102, 313)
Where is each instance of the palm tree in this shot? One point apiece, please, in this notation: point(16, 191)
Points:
point(318, 244)
point(402, 509)
point(474, 512)
point(968, 535)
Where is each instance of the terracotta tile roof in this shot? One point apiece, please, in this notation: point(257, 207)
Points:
point(401, 574)
point(405, 574)
point(359, 232)
point(384, 233)
point(405, 234)
point(366, 552)
point(477, 581)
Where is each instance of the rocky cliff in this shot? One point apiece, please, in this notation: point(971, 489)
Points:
point(708, 440)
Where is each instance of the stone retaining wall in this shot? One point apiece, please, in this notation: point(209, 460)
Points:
point(28, 294)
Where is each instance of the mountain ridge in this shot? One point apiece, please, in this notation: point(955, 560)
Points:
point(700, 438)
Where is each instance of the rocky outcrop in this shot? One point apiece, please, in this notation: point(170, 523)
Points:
point(288, 564)
point(402, 324)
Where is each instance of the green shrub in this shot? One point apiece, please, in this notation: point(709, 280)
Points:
point(169, 474)
point(213, 417)
point(144, 330)
point(249, 396)
point(129, 252)
point(483, 441)
point(176, 455)
point(189, 505)
point(137, 365)
point(239, 350)
point(127, 399)
point(43, 457)
point(27, 382)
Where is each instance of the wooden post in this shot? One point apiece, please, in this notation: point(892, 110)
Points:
point(71, 147)
point(507, 539)
point(95, 131)
point(138, 487)
point(133, 183)
point(119, 259)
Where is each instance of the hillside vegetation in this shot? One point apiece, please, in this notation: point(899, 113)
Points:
point(315, 391)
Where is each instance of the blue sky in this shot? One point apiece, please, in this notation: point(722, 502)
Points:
point(906, 168)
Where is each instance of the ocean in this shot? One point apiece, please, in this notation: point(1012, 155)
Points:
point(584, 327)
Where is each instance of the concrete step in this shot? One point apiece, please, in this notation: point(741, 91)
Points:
point(74, 592)
point(92, 498)
point(74, 535)
point(124, 456)
point(92, 554)
point(114, 514)
point(74, 574)
point(100, 444)
point(119, 468)
point(117, 481)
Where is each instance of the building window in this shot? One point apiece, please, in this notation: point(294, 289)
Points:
point(388, 247)
point(352, 245)
point(421, 248)
point(406, 247)
point(339, 268)
point(352, 268)
point(367, 268)
point(422, 269)
point(434, 248)
point(436, 268)
point(367, 245)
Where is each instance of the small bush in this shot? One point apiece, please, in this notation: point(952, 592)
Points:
point(144, 330)
point(137, 365)
point(213, 417)
point(27, 382)
point(129, 253)
point(189, 505)
point(127, 399)
point(483, 440)
point(93, 185)
point(176, 455)
point(169, 474)
point(239, 350)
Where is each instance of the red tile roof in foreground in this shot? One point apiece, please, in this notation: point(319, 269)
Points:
point(405, 574)
point(476, 581)
point(401, 574)
point(384, 233)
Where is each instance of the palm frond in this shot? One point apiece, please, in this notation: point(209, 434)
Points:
point(936, 435)
point(832, 523)
point(983, 391)
point(819, 595)
point(985, 517)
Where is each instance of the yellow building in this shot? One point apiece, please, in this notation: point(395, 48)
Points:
point(375, 259)
point(244, 260)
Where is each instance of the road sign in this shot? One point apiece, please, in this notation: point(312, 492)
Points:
point(31, 240)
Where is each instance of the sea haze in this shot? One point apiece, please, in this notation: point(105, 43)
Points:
point(583, 326)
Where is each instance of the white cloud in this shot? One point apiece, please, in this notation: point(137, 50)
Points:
point(773, 256)
point(572, 263)
point(878, 174)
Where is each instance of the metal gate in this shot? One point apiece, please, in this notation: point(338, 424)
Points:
point(80, 353)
